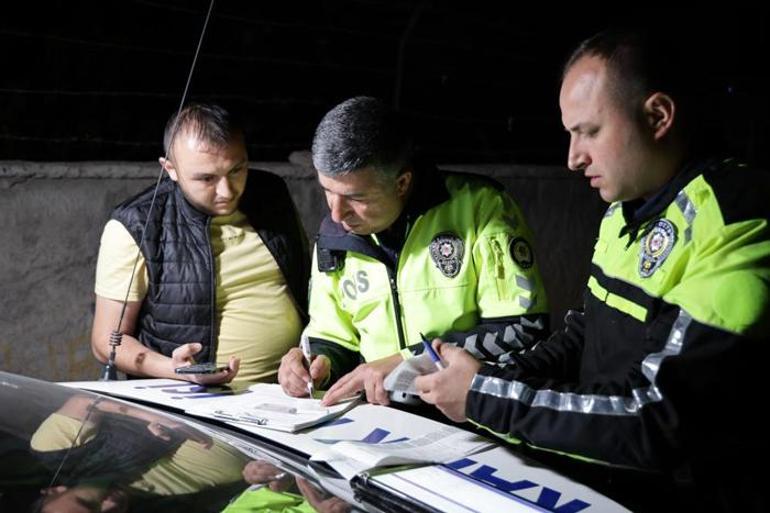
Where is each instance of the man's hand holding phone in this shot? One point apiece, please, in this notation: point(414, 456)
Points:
point(207, 373)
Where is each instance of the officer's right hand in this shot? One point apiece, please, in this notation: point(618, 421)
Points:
point(448, 388)
point(293, 375)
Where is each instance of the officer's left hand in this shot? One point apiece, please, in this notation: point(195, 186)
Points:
point(448, 388)
point(368, 377)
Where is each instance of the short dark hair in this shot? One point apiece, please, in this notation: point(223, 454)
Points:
point(638, 63)
point(207, 122)
point(362, 132)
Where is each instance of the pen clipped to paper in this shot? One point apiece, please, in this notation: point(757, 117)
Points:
point(433, 354)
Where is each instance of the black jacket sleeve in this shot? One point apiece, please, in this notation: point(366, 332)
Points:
point(691, 401)
point(343, 360)
point(498, 339)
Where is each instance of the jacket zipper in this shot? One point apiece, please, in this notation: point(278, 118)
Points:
point(396, 306)
point(213, 297)
point(392, 275)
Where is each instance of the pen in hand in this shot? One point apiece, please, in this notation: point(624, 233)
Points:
point(304, 345)
point(433, 355)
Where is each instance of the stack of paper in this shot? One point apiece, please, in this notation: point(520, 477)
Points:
point(260, 405)
point(401, 379)
point(171, 393)
point(269, 407)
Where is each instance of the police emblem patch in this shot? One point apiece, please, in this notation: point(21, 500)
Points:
point(521, 252)
point(656, 246)
point(446, 250)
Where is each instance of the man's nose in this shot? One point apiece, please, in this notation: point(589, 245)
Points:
point(224, 189)
point(577, 158)
point(339, 208)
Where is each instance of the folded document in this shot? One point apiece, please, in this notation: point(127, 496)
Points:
point(268, 406)
point(401, 379)
point(418, 440)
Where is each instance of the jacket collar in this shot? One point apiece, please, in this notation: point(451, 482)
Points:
point(188, 210)
point(637, 212)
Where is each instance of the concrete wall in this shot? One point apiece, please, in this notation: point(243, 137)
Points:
point(53, 214)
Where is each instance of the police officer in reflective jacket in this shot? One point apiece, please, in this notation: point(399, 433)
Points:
point(408, 249)
point(663, 369)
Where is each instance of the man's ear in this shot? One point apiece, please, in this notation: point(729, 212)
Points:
point(659, 112)
point(404, 181)
point(168, 165)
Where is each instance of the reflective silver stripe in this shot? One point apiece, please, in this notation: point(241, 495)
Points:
point(686, 206)
point(470, 346)
point(515, 336)
point(651, 364)
point(612, 208)
point(490, 344)
point(590, 403)
point(525, 302)
point(523, 282)
point(510, 334)
point(688, 211)
point(538, 323)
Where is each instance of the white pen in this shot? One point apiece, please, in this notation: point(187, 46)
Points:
point(304, 345)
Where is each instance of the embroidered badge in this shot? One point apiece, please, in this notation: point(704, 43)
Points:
point(446, 250)
point(521, 252)
point(656, 246)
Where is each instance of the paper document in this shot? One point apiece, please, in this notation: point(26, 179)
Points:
point(401, 379)
point(446, 491)
point(445, 443)
point(171, 393)
point(268, 406)
point(492, 481)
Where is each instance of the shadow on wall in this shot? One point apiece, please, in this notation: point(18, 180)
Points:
point(53, 215)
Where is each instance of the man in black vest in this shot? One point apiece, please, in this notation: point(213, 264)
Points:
point(223, 269)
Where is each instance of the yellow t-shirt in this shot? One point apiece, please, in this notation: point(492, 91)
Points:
point(255, 316)
point(191, 468)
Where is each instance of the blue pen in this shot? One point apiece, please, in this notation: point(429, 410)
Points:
point(433, 354)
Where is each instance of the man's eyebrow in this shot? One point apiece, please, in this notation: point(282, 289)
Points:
point(355, 194)
point(238, 165)
point(87, 503)
point(582, 127)
point(203, 174)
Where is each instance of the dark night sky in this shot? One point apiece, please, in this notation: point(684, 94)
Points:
point(95, 80)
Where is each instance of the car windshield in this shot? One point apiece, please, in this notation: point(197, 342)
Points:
point(64, 450)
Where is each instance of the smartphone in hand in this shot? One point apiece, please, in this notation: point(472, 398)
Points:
point(201, 368)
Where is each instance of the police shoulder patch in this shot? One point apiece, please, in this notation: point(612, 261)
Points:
point(656, 245)
point(447, 250)
point(521, 252)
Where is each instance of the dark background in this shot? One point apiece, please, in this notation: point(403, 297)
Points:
point(96, 80)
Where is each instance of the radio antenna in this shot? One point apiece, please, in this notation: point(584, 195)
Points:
point(110, 372)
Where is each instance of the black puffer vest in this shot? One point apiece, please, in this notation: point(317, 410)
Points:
point(180, 305)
